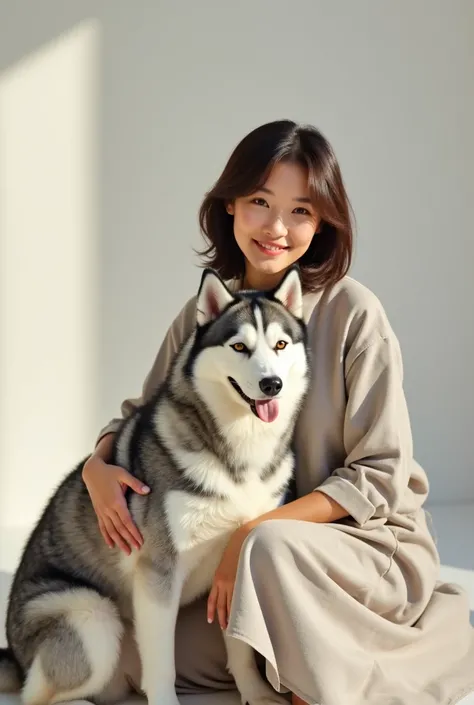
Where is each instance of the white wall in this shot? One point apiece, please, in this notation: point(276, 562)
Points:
point(163, 92)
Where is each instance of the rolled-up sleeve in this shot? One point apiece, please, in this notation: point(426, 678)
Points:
point(377, 435)
point(175, 336)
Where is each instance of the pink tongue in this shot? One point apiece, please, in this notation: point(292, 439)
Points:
point(267, 410)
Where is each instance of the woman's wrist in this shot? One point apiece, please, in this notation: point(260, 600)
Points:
point(103, 449)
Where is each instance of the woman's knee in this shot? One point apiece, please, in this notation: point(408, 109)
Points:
point(267, 541)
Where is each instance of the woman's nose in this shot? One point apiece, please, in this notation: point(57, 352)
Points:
point(276, 226)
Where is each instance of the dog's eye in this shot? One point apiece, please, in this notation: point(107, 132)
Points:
point(239, 347)
point(281, 345)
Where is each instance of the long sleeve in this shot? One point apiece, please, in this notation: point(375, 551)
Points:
point(175, 336)
point(377, 437)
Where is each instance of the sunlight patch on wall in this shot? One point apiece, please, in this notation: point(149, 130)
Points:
point(48, 268)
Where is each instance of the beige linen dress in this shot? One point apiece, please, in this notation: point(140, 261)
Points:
point(348, 613)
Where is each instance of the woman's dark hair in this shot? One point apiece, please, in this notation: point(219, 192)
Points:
point(329, 256)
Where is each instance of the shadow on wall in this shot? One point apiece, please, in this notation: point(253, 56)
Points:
point(49, 243)
point(452, 527)
point(70, 150)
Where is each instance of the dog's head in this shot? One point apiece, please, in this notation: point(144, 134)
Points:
point(250, 347)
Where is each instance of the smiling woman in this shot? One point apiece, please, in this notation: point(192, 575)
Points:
point(273, 232)
point(347, 571)
point(285, 202)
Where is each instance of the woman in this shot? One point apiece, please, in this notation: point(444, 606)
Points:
point(337, 590)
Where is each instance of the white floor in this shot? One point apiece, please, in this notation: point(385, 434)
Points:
point(453, 526)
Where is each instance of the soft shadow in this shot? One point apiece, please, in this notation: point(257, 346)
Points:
point(452, 526)
point(25, 30)
point(49, 244)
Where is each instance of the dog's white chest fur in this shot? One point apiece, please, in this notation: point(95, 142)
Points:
point(201, 526)
point(197, 520)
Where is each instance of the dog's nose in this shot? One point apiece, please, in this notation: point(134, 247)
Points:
point(271, 386)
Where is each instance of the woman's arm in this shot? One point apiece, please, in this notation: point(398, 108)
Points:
point(315, 507)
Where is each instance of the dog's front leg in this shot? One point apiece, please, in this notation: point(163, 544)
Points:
point(156, 598)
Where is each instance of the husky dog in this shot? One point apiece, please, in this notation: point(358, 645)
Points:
point(214, 444)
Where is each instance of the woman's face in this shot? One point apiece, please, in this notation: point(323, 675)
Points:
point(274, 226)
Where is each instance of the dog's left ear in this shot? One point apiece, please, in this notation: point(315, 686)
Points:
point(290, 292)
point(213, 297)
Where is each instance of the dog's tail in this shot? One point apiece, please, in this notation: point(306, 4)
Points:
point(10, 672)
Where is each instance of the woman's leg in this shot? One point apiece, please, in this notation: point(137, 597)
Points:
point(336, 617)
point(346, 616)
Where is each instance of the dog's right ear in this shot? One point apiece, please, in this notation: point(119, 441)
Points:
point(213, 297)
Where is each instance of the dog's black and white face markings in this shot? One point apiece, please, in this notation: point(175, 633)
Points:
point(260, 341)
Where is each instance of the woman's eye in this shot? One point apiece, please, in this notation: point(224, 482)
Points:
point(259, 202)
point(301, 211)
point(281, 345)
point(239, 347)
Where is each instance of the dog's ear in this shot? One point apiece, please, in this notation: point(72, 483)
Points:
point(213, 297)
point(290, 292)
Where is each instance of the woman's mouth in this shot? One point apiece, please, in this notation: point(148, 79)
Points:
point(269, 248)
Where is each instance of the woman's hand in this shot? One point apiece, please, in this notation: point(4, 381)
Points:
point(106, 485)
point(220, 597)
